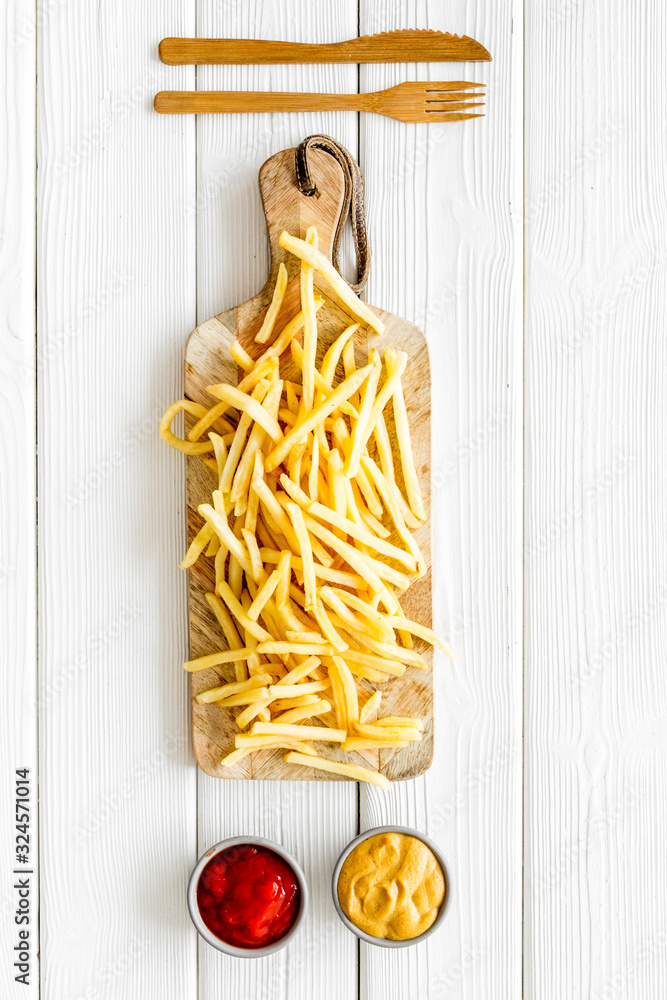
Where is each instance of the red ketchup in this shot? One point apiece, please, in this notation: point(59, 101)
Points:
point(248, 896)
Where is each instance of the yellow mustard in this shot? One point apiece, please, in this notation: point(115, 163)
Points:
point(391, 886)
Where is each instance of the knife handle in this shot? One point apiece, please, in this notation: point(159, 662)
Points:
point(245, 51)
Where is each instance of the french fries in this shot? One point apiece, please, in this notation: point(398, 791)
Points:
point(309, 533)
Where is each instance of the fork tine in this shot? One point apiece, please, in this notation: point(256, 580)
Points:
point(446, 108)
point(451, 85)
point(453, 96)
point(454, 117)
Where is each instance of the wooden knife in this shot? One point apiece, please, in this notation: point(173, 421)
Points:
point(409, 45)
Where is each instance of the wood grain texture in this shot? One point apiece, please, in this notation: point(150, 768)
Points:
point(596, 531)
point(316, 818)
point(440, 205)
point(116, 290)
point(395, 46)
point(207, 362)
point(18, 555)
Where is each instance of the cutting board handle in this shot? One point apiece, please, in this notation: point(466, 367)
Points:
point(286, 208)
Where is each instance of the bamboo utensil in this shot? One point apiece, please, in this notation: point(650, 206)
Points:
point(408, 102)
point(390, 46)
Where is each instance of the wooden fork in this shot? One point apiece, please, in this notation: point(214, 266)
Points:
point(408, 102)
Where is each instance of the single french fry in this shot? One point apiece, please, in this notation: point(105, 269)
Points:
point(240, 356)
point(225, 690)
point(287, 334)
point(253, 743)
point(304, 648)
point(314, 467)
point(226, 623)
point(236, 608)
point(317, 260)
point(398, 720)
point(299, 672)
point(297, 690)
point(322, 618)
point(296, 636)
point(369, 673)
point(245, 717)
point(257, 695)
point(235, 756)
point(266, 328)
point(189, 447)
point(283, 704)
point(306, 553)
point(386, 665)
point(344, 691)
point(395, 363)
point(369, 706)
point(217, 659)
point(332, 356)
point(305, 712)
point(380, 733)
point(294, 461)
point(298, 732)
point(422, 631)
point(212, 416)
point(219, 524)
point(405, 451)
point(362, 428)
point(355, 744)
point(246, 463)
point(309, 325)
point(213, 546)
point(264, 593)
point(197, 546)
point(246, 404)
point(353, 771)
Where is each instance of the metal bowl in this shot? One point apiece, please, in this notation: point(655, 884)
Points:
point(386, 942)
point(216, 942)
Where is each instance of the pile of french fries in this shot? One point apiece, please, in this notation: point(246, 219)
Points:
point(307, 580)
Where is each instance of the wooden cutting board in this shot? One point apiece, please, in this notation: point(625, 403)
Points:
point(207, 361)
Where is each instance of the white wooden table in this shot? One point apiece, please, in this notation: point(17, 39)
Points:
point(548, 788)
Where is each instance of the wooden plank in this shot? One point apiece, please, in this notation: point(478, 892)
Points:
point(596, 558)
point(116, 291)
point(316, 819)
point(447, 256)
point(18, 555)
